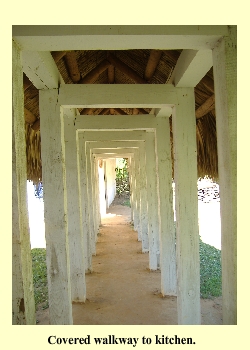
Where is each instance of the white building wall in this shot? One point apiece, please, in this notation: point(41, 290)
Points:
point(110, 179)
point(101, 187)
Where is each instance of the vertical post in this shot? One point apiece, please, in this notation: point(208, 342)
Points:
point(153, 217)
point(23, 304)
point(133, 186)
point(130, 170)
point(225, 80)
point(167, 229)
point(137, 194)
point(187, 232)
point(143, 198)
point(91, 201)
point(82, 183)
point(55, 207)
point(75, 232)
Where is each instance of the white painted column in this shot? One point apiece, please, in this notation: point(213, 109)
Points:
point(75, 232)
point(95, 189)
point(152, 202)
point(137, 195)
point(167, 229)
point(152, 198)
point(91, 203)
point(187, 232)
point(143, 199)
point(23, 304)
point(82, 180)
point(133, 191)
point(131, 182)
point(55, 208)
point(225, 81)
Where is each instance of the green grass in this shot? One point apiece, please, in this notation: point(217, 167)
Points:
point(210, 271)
point(40, 277)
point(126, 203)
point(210, 274)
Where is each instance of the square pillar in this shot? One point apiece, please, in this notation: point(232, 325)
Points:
point(153, 204)
point(186, 203)
point(85, 205)
point(225, 82)
point(167, 229)
point(23, 303)
point(55, 208)
point(75, 232)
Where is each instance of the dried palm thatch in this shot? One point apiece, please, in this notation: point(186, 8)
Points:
point(123, 67)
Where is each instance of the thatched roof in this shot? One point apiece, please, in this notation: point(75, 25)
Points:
point(123, 67)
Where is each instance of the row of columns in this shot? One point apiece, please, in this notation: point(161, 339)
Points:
point(65, 196)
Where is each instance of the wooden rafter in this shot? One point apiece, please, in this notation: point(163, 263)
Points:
point(206, 107)
point(26, 82)
point(154, 59)
point(208, 83)
point(86, 111)
point(94, 74)
point(57, 55)
point(111, 74)
point(125, 69)
point(36, 125)
point(29, 117)
point(72, 65)
point(174, 55)
point(120, 111)
point(105, 111)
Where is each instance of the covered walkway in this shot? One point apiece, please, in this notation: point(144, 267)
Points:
point(121, 290)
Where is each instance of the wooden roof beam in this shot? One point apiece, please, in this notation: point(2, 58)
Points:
point(36, 125)
point(57, 55)
point(154, 59)
point(26, 82)
point(104, 111)
point(86, 111)
point(120, 111)
point(41, 69)
point(111, 74)
point(29, 117)
point(206, 107)
point(208, 82)
point(191, 67)
point(125, 69)
point(94, 74)
point(72, 65)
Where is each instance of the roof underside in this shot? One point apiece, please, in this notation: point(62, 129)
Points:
point(136, 66)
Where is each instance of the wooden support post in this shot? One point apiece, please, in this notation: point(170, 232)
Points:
point(55, 208)
point(75, 232)
point(186, 202)
point(153, 215)
point(167, 229)
point(91, 202)
point(137, 223)
point(23, 304)
point(225, 81)
point(82, 183)
point(153, 219)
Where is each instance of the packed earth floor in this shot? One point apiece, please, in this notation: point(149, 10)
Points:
point(121, 290)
